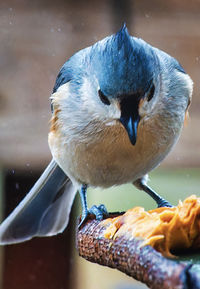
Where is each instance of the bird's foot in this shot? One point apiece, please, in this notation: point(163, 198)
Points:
point(163, 203)
point(99, 212)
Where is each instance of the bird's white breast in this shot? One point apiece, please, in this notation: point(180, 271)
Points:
point(107, 157)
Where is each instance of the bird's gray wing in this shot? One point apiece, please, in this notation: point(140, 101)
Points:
point(44, 211)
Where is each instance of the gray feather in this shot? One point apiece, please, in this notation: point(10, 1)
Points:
point(44, 211)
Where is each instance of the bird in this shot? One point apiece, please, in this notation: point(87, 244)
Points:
point(118, 108)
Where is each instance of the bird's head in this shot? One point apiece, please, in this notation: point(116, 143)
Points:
point(120, 80)
point(115, 80)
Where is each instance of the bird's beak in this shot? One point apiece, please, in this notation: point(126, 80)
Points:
point(131, 126)
point(130, 118)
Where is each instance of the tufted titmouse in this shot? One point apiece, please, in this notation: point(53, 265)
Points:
point(118, 108)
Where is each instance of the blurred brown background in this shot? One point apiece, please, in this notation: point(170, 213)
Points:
point(36, 38)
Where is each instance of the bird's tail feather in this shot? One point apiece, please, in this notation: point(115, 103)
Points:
point(44, 211)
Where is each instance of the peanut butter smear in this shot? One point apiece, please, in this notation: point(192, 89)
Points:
point(165, 229)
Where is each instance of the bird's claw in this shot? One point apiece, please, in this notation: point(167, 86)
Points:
point(99, 212)
point(164, 203)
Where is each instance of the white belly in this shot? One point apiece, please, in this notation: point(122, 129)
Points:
point(110, 159)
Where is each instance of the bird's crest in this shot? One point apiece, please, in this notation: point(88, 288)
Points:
point(123, 41)
point(123, 63)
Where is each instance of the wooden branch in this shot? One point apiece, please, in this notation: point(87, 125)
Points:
point(130, 256)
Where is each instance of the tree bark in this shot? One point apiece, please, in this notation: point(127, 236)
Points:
point(128, 255)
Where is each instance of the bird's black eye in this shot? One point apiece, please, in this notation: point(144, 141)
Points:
point(103, 98)
point(151, 93)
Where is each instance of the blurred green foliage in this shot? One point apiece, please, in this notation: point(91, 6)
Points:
point(173, 184)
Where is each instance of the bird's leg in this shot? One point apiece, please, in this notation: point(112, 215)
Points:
point(141, 184)
point(83, 197)
point(98, 211)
